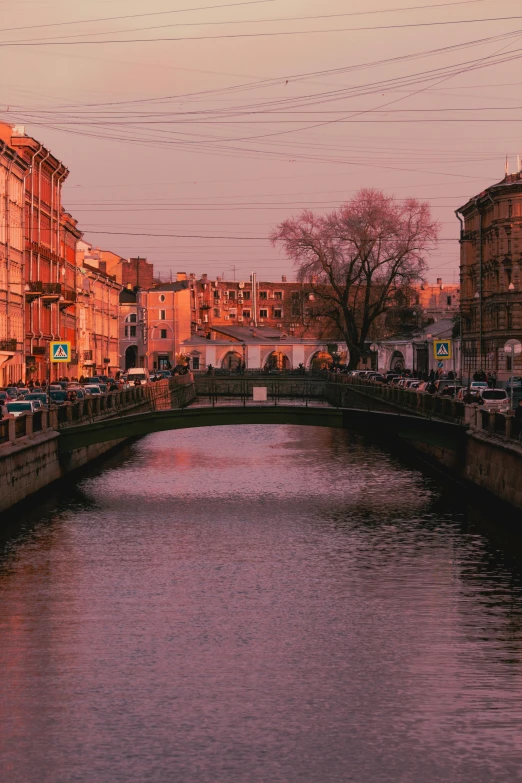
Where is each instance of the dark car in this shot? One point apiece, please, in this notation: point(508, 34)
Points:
point(95, 379)
point(41, 396)
point(447, 388)
point(58, 397)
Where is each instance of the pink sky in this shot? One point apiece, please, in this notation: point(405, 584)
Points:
point(218, 153)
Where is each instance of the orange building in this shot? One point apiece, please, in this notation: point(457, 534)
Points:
point(12, 175)
point(49, 265)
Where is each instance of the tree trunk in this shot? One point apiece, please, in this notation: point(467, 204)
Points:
point(355, 355)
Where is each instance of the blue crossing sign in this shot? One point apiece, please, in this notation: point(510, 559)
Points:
point(60, 351)
point(442, 349)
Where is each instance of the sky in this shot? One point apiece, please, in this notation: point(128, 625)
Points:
point(192, 127)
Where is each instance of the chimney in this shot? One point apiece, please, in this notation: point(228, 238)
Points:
point(283, 279)
point(181, 276)
point(219, 279)
point(439, 280)
point(204, 277)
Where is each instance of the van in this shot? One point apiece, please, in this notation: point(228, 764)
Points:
point(138, 373)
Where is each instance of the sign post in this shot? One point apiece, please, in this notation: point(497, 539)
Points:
point(59, 352)
point(443, 352)
point(514, 347)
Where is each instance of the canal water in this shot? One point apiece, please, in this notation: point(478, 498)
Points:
point(259, 604)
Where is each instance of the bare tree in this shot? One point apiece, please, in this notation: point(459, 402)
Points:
point(355, 259)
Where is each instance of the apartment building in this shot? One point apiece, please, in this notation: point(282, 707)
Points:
point(13, 170)
point(491, 278)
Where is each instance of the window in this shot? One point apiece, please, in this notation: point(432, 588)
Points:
point(216, 294)
point(132, 318)
point(509, 318)
point(126, 331)
point(510, 209)
point(263, 294)
point(163, 315)
point(263, 313)
point(163, 334)
point(246, 294)
point(278, 295)
point(246, 313)
point(448, 301)
point(232, 295)
point(278, 313)
point(162, 298)
point(195, 362)
point(132, 330)
point(216, 312)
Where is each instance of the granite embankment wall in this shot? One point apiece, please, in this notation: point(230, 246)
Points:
point(29, 455)
point(491, 454)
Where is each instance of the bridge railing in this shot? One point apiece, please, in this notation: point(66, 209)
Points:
point(431, 405)
point(176, 392)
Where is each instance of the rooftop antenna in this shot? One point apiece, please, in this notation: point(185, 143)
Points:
point(506, 167)
point(518, 163)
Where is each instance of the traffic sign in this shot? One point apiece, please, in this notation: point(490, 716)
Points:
point(442, 349)
point(60, 351)
point(513, 346)
point(440, 365)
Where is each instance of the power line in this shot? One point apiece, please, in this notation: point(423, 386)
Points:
point(254, 35)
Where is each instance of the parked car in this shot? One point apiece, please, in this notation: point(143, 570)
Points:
point(39, 397)
point(138, 373)
point(58, 397)
point(515, 381)
point(22, 393)
point(478, 385)
point(12, 392)
point(20, 407)
point(447, 388)
point(463, 392)
point(93, 389)
point(94, 379)
point(495, 400)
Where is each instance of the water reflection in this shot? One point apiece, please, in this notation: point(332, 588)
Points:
point(259, 604)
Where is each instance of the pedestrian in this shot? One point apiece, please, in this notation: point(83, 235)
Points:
point(518, 410)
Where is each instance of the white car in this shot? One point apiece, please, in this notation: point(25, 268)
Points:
point(92, 389)
point(20, 407)
point(495, 400)
point(477, 385)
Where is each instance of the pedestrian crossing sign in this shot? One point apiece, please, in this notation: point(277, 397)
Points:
point(60, 352)
point(442, 349)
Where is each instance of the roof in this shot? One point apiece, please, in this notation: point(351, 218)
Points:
point(178, 285)
point(258, 335)
point(439, 329)
point(250, 334)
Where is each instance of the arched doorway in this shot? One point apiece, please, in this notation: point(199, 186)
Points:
point(131, 357)
point(397, 361)
point(321, 360)
point(232, 361)
point(277, 360)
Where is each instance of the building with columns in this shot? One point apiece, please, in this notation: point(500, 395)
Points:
point(491, 277)
point(259, 348)
point(13, 170)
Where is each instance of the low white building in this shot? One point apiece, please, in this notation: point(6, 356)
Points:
point(415, 351)
point(258, 348)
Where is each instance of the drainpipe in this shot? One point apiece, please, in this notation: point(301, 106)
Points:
point(461, 350)
point(254, 298)
point(29, 235)
point(8, 242)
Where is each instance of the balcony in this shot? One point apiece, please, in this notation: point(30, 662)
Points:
point(68, 298)
point(35, 289)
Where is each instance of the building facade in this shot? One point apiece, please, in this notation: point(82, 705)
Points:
point(284, 305)
point(97, 315)
point(163, 315)
point(491, 279)
point(50, 236)
point(13, 170)
point(259, 348)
